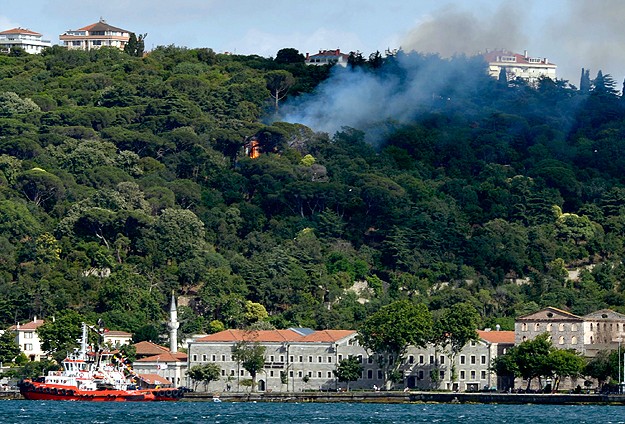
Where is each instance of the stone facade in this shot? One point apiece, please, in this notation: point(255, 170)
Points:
point(600, 330)
point(301, 359)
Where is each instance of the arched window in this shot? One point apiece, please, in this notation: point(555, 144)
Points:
point(537, 326)
point(561, 327)
point(573, 327)
point(549, 327)
point(561, 340)
point(574, 340)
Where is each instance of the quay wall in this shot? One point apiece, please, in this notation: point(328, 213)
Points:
point(412, 397)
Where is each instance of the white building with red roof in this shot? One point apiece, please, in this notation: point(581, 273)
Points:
point(327, 57)
point(27, 339)
point(94, 36)
point(522, 66)
point(30, 41)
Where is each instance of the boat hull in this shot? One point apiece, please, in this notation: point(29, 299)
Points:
point(42, 391)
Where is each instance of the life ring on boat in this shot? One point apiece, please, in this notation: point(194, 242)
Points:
point(70, 392)
point(46, 390)
point(62, 392)
point(54, 391)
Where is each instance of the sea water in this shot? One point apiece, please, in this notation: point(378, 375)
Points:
point(58, 412)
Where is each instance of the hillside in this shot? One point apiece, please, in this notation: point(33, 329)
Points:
point(124, 178)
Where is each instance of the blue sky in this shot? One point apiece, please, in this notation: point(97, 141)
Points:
point(571, 33)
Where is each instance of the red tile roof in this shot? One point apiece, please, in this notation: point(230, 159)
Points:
point(20, 31)
point(101, 26)
point(252, 336)
point(497, 336)
point(165, 357)
point(148, 348)
point(33, 325)
point(154, 379)
point(327, 336)
point(496, 55)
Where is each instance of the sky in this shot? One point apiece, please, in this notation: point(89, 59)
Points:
point(573, 34)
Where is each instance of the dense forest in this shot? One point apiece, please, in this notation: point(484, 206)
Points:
point(124, 179)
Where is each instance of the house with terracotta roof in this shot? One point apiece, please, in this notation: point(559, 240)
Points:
point(522, 66)
point(153, 359)
point(94, 36)
point(25, 39)
point(327, 57)
point(27, 339)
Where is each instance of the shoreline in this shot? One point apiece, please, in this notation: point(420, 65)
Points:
point(412, 397)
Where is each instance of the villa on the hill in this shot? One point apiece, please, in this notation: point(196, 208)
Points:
point(94, 36)
point(30, 41)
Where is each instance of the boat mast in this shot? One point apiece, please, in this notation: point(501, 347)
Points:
point(83, 342)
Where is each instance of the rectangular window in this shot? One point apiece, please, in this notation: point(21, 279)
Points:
point(340, 357)
point(28, 335)
point(310, 374)
point(431, 359)
point(421, 359)
point(223, 358)
point(483, 359)
point(271, 358)
point(213, 358)
point(483, 375)
point(442, 359)
point(232, 372)
point(319, 359)
point(300, 374)
point(310, 359)
point(204, 358)
point(442, 374)
point(462, 374)
point(28, 346)
point(463, 359)
point(301, 358)
point(281, 358)
point(370, 360)
point(329, 374)
point(411, 359)
point(291, 358)
point(472, 375)
point(380, 375)
point(472, 359)
point(329, 359)
point(242, 372)
point(291, 374)
point(420, 375)
point(369, 374)
point(223, 373)
point(270, 373)
point(194, 358)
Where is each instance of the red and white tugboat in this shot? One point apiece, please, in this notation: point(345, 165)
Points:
point(93, 376)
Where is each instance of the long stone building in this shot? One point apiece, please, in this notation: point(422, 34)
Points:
point(299, 359)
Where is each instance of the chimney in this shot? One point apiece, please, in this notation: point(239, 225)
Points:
point(546, 61)
point(525, 54)
point(35, 318)
point(497, 327)
point(307, 56)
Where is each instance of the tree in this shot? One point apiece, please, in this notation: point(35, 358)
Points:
point(204, 373)
point(564, 363)
point(251, 356)
point(278, 83)
point(9, 349)
point(60, 335)
point(348, 369)
point(289, 55)
point(604, 366)
point(135, 45)
point(455, 328)
point(532, 358)
point(389, 331)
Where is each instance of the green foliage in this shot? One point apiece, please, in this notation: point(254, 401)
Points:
point(251, 356)
point(9, 349)
point(204, 373)
point(60, 335)
point(348, 369)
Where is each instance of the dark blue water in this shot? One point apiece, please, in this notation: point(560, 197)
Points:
point(34, 412)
